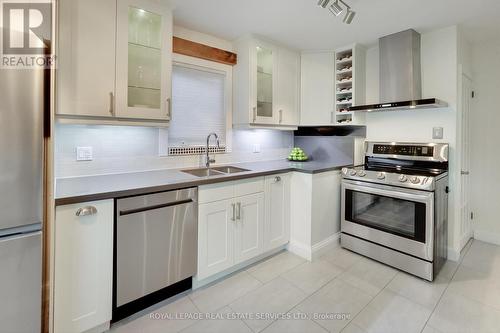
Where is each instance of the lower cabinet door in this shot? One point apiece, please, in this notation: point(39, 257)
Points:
point(215, 237)
point(83, 268)
point(249, 226)
point(277, 224)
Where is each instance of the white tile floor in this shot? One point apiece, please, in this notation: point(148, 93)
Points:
point(365, 296)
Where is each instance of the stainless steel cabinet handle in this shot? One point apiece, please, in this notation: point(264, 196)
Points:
point(233, 217)
point(277, 179)
point(86, 211)
point(169, 108)
point(254, 114)
point(466, 173)
point(281, 116)
point(238, 211)
point(112, 103)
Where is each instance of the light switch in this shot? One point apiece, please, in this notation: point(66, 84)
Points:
point(437, 133)
point(84, 154)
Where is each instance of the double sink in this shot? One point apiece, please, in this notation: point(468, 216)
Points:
point(215, 171)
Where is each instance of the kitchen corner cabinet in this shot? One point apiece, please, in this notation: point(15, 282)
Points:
point(83, 268)
point(277, 225)
point(118, 67)
point(266, 85)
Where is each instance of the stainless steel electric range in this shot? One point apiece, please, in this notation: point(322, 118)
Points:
point(395, 207)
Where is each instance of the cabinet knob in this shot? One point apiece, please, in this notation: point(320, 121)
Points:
point(277, 179)
point(86, 211)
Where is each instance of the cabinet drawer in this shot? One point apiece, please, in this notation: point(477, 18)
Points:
point(248, 186)
point(215, 192)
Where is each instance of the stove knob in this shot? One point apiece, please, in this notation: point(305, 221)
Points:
point(353, 173)
point(381, 175)
point(403, 178)
point(361, 173)
point(345, 171)
point(415, 180)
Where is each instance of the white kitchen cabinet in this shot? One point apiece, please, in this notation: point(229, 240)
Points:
point(231, 219)
point(143, 60)
point(317, 88)
point(249, 226)
point(265, 85)
point(277, 221)
point(83, 266)
point(288, 87)
point(215, 237)
point(117, 68)
point(86, 58)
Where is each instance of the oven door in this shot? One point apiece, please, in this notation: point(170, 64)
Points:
point(397, 218)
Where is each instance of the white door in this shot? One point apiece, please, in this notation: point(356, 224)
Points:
point(287, 95)
point(86, 57)
point(317, 87)
point(466, 225)
point(249, 226)
point(143, 60)
point(277, 223)
point(215, 237)
point(264, 57)
point(83, 275)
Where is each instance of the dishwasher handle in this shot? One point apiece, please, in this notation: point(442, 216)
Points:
point(154, 207)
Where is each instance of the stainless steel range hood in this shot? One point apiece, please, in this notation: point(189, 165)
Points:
point(400, 75)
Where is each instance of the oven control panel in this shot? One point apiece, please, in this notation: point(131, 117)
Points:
point(404, 150)
point(389, 178)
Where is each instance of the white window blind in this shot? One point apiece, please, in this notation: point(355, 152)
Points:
point(198, 106)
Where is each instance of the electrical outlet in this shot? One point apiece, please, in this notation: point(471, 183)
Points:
point(84, 154)
point(437, 132)
point(256, 148)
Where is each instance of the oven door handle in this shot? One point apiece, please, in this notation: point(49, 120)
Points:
point(425, 197)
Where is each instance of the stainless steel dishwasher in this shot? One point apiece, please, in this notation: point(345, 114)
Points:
point(156, 238)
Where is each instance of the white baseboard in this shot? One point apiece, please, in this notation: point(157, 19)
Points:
point(325, 245)
point(487, 236)
point(312, 252)
point(244, 265)
point(300, 250)
point(453, 254)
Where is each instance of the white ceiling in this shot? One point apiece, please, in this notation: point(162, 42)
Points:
point(303, 25)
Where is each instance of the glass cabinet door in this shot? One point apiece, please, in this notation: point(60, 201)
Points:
point(263, 112)
point(144, 59)
point(144, 43)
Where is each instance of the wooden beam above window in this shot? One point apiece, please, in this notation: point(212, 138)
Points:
point(197, 50)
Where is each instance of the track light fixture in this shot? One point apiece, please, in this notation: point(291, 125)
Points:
point(336, 9)
point(323, 3)
point(349, 16)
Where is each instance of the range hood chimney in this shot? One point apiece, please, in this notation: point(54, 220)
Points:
point(400, 75)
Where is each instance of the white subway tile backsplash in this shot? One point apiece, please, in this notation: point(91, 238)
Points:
point(119, 149)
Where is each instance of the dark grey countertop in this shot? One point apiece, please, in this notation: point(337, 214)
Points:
point(100, 187)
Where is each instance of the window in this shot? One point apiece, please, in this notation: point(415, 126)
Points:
point(201, 100)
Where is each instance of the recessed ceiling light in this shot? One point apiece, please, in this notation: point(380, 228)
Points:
point(323, 3)
point(336, 9)
point(349, 16)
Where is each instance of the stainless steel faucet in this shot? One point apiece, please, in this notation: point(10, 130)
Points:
point(208, 160)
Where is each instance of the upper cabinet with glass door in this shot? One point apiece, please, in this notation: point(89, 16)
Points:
point(143, 60)
point(266, 85)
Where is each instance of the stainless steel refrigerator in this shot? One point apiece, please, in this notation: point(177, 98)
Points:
point(21, 198)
